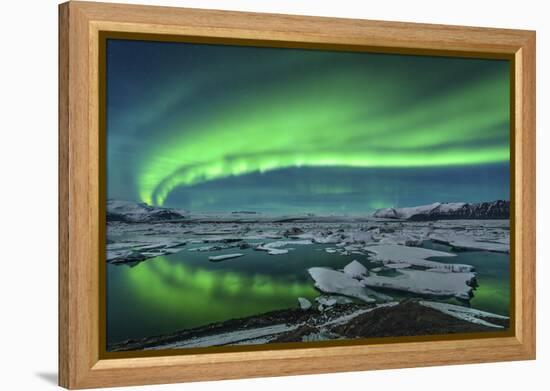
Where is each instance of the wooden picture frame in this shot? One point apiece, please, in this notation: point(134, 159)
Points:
point(81, 172)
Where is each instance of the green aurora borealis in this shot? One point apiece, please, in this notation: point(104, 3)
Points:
point(213, 127)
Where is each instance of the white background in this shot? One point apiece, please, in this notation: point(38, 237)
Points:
point(28, 214)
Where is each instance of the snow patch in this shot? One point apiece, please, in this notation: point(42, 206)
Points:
point(232, 337)
point(468, 314)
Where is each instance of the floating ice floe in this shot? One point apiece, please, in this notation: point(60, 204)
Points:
point(323, 238)
point(225, 256)
point(440, 281)
point(464, 242)
point(359, 236)
point(340, 283)
point(274, 248)
point(396, 254)
point(468, 314)
point(459, 285)
point(272, 251)
point(128, 252)
point(406, 240)
point(212, 248)
point(332, 281)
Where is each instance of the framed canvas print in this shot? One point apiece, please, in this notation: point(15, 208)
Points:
point(249, 195)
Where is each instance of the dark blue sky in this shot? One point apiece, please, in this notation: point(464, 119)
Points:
point(221, 128)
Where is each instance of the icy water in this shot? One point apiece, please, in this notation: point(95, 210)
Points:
point(493, 292)
point(186, 290)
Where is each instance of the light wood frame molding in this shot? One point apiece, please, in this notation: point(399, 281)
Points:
point(80, 24)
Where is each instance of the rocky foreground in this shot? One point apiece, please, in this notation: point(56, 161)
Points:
point(329, 320)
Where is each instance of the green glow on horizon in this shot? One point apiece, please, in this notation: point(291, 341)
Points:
point(336, 121)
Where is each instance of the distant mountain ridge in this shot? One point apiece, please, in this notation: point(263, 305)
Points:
point(132, 212)
point(499, 209)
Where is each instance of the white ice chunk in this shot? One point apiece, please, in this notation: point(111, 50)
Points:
point(360, 236)
point(274, 248)
point(465, 242)
point(394, 253)
point(225, 256)
point(425, 282)
point(332, 281)
point(304, 303)
point(355, 269)
point(326, 239)
point(405, 240)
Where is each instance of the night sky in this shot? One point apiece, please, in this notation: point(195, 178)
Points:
point(224, 128)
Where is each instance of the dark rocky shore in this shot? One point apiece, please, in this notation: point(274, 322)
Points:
point(340, 321)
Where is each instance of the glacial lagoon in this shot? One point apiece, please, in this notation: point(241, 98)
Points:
point(185, 290)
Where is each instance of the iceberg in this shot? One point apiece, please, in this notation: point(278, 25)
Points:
point(332, 281)
point(355, 269)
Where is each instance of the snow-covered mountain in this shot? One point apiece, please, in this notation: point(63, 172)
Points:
point(447, 211)
point(132, 212)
